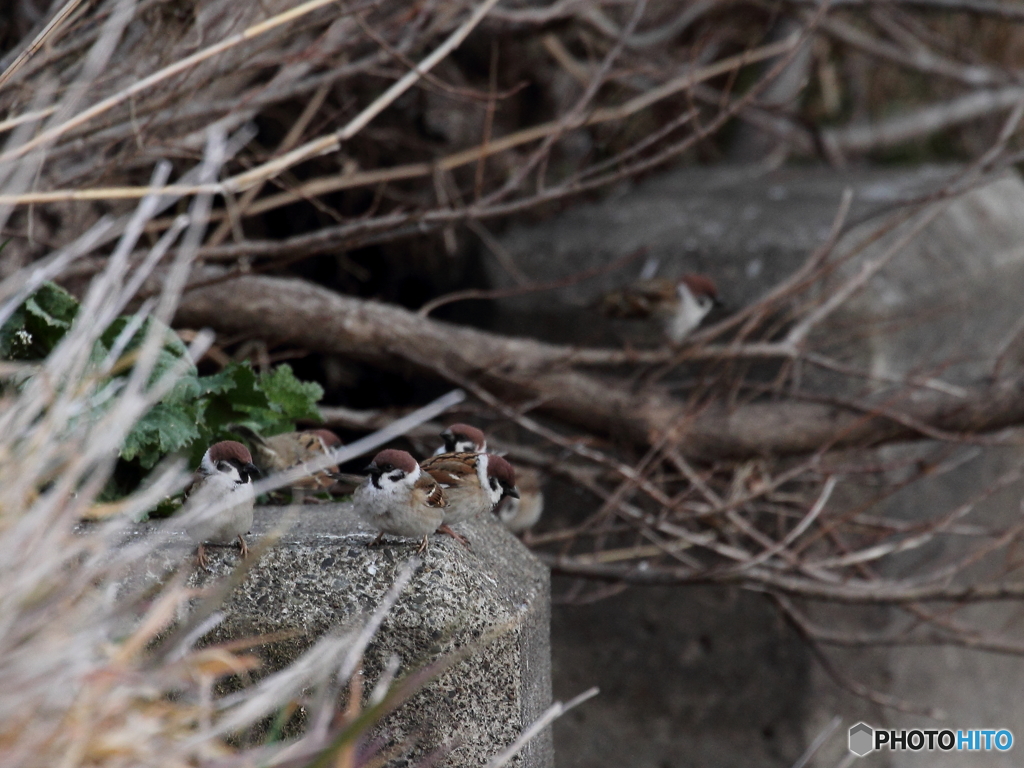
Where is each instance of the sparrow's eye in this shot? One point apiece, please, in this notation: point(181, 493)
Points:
point(224, 466)
point(387, 467)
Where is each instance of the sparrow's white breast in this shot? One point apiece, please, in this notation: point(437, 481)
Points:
point(218, 509)
point(397, 508)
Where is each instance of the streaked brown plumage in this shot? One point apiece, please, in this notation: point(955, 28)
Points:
point(473, 483)
point(680, 305)
point(279, 453)
point(398, 498)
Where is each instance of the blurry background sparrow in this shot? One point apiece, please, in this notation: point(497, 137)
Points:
point(462, 438)
point(219, 501)
point(517, 513)
point(279, 453)
point(680, 305)
point(473, 483)
point(399, 498)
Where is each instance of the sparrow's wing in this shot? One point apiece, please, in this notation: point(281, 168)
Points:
point(639, 300)
point(432, 491)
point(451, 469)
point(196, 477)
point(317, 447)
point(293, 449)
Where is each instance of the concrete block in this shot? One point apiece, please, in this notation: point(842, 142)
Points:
point(321, 574)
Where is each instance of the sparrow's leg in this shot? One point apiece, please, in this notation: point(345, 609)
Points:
point(201, 557)
point(243, 548)
point(457, 536)
point(423, 544)
point(378, 540)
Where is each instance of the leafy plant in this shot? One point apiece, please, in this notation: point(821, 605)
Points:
point(198, 409)
point(36, 327)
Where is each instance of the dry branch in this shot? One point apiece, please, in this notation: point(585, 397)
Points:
point(293, 311)
point(351, 180)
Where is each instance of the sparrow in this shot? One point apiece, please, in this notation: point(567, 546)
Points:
point(279, 453)
point(679, 305)
point(219, 501)
point(516, 513)
point(397, 497)
point(473, 483)
point(520, 514)
point(462, 438)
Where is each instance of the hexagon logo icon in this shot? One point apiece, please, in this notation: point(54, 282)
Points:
point(862, 738)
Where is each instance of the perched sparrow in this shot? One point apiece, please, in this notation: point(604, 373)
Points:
point(219, 502)
point(473, 483)
point(279, 453)
point(399, 498)
point(516, 513)
point(680, 305)
point(519, 514)
point(462, 438)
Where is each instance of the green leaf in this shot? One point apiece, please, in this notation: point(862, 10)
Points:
point(231, 395)
point(292, 398)
point(53, 305)
point(218, 383)
point(38, 325)
point(172, 352)
point(164, 429)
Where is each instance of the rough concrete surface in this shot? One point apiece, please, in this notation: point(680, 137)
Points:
point(321, 574)
point(746, 695)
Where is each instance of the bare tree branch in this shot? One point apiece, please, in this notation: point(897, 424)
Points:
point(290, 310)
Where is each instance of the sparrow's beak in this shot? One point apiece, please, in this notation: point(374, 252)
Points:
point(252, 470)
point(513, 492)
point(372, 469)
point(717, 302)
point(446, 435)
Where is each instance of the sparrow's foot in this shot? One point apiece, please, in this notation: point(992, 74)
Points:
point(457, 536)
point(422, 548)
point(201, 558)
point(243, 548)
point(376, 542)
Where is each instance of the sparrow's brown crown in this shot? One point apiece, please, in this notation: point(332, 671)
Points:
point(700, 285)
point(391, 458)
point(504, 473)
point(459, 433)
point(228, 450)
